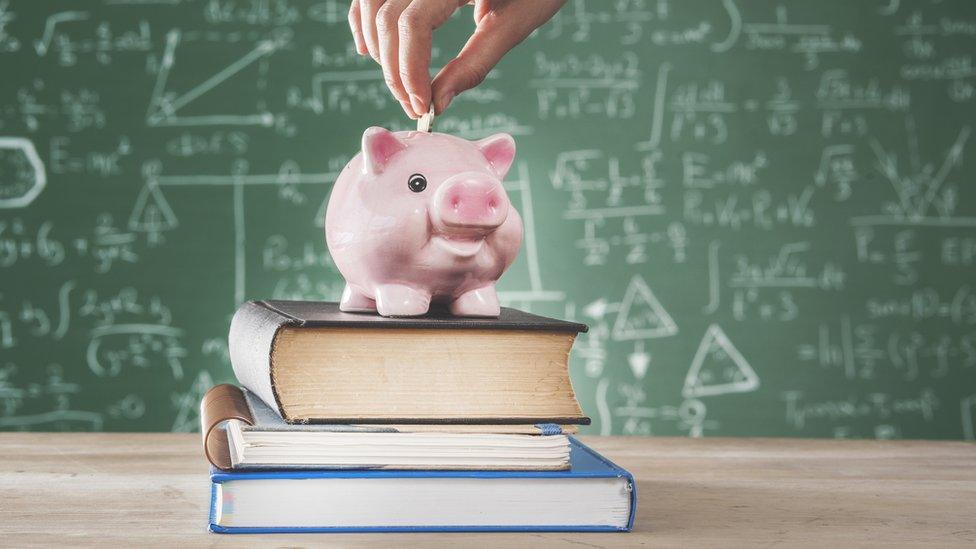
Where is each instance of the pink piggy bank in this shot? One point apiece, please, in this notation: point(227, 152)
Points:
point(418, 218)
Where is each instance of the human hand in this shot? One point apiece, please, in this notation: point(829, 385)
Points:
point(398, 34)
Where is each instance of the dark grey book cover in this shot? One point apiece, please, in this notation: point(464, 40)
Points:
point(322, 313)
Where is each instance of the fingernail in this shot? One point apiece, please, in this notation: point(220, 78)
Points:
point(418, 104)
point(408, 109)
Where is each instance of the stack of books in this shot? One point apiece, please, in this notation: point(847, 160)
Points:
point(357, 422)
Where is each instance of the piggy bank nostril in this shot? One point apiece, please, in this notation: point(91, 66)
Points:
point(473, 203)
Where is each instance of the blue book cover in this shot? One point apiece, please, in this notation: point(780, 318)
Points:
point(379, 500)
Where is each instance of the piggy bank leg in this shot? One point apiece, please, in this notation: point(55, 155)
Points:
point(355, 301)
point(400, 300)
point(480, 302)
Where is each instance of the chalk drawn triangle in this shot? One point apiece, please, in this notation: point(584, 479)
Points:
point(152, 213)
point(641, 315)
point(718, 368)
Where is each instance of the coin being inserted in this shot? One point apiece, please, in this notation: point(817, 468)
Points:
point(426, 121)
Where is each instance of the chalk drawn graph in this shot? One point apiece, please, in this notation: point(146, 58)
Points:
point(164, 106)
point(922, 198)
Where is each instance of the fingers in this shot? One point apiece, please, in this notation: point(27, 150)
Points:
point(480, 54)
point(398, 35)
point(356, 26)
point(500, 28)
point(387, 29)
point(368, 10)
point(481, 8)
point(416, 30)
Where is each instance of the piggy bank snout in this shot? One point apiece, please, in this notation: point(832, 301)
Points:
point(474, 202)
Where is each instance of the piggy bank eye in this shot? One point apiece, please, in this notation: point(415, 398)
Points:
point(417, 183)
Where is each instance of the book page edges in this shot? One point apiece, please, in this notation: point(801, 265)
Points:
point(403, 359)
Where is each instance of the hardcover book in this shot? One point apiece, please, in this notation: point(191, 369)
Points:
point(593, 495)
point(312, 363)
point(242, 433)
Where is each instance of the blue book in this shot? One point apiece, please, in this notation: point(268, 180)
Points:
point(594, 495)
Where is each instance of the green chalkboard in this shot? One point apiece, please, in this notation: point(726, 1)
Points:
point(765, 211)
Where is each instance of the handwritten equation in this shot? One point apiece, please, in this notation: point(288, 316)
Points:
point(763, 210)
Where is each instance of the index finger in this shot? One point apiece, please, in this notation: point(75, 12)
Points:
point(416, 29)
point(356, 26)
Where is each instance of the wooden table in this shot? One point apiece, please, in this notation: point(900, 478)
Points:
point(121, 490)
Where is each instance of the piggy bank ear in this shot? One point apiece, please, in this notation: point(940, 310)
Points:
point(379, 147)
point(499, 150)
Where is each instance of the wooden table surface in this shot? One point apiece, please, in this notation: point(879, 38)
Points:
point(121, 490)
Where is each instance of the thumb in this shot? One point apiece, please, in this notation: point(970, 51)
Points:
point(457, 76)
point(500, 28)
point(486, 47)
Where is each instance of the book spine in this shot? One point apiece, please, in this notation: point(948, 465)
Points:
point(250, 343)
point(221, 403)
